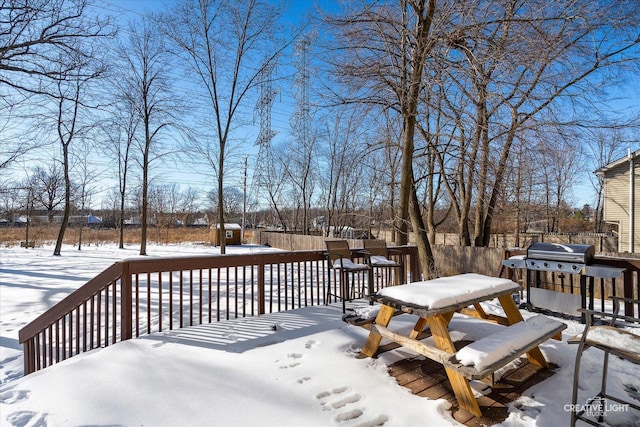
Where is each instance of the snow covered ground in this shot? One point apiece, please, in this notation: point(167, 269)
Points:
point(242, 372)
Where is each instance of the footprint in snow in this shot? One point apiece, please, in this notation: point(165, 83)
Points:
point(343, 399)
point(293, 360)
point(349, 415)
point(378, 421)
point(325, 395)
point(311, 344)
point(633, 390)
point(27, 418)
point(13, 396)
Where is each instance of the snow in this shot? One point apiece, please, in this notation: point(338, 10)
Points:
point(347, 264)
point(380, 260)
point(243, 372)
point(446, 291)
point(487, 351)
point(609, 337)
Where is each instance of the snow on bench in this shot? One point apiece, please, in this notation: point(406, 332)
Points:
point(482, 357)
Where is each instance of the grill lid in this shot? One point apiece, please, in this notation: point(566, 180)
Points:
point(582, 254)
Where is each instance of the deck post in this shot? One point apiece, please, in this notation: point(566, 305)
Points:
point(261, 292)
point(126, 306)
point(628, 291)
point(29, 356)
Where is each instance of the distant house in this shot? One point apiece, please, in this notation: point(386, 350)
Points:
point(199, 222)
point(88, 220)
point(232, 234)
point(133, 221)
point(621, 201)
point(342, 232)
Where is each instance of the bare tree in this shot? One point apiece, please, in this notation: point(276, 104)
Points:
point(388, 47)
point(233, 198)
point(224, 43)
point(301, 168)
point(121, 132)
point(515, 64)
point(146, 87)
point(172, 204)
point(16, 141)
point(559, 172)
point(604, 147)
point(38, 39)
point(13, 199)
point(384, 158)
point(71, 124)
point(271, 180)
point(342, 177)
point(86, 176)
point(47, 188)
point(37, 34)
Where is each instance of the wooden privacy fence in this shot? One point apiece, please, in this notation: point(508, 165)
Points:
point(141, 296)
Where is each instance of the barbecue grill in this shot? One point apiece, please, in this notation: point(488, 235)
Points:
point(560, 258)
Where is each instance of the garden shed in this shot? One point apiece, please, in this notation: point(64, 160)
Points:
point(232, 234)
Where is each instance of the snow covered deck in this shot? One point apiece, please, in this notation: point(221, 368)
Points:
point(423, 377)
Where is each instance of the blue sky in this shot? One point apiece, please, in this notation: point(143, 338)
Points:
point(283, 107)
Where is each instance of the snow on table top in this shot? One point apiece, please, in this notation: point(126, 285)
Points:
point(490, 349)
point(446, 291)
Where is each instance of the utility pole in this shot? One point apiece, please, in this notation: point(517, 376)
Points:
point(244, 201)
point(632, 201)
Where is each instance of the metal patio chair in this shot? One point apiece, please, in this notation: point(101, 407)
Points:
point(379, 258)
point(340, 261)
point(612, 341)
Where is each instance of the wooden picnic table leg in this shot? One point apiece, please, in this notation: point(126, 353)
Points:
point(510, 308)
point(373, 341)
point(418, 328)
point(422, 323)
point(480, 311)
point(438, 325)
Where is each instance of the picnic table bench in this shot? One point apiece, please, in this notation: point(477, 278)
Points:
point(435, 302)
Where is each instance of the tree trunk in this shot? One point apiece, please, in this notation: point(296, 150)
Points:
point(425, 255)
point(145, 185)
point(222, 236)
point(121, 222)
point(406, 180)
point(67, 201)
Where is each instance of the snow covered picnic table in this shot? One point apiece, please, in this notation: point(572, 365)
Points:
point(434, 302)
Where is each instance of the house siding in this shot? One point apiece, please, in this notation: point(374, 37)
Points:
point(616, 203)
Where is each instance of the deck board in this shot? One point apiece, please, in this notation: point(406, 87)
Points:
point(427, 378)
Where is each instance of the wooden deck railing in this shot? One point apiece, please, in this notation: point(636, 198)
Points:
point(141, 296)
